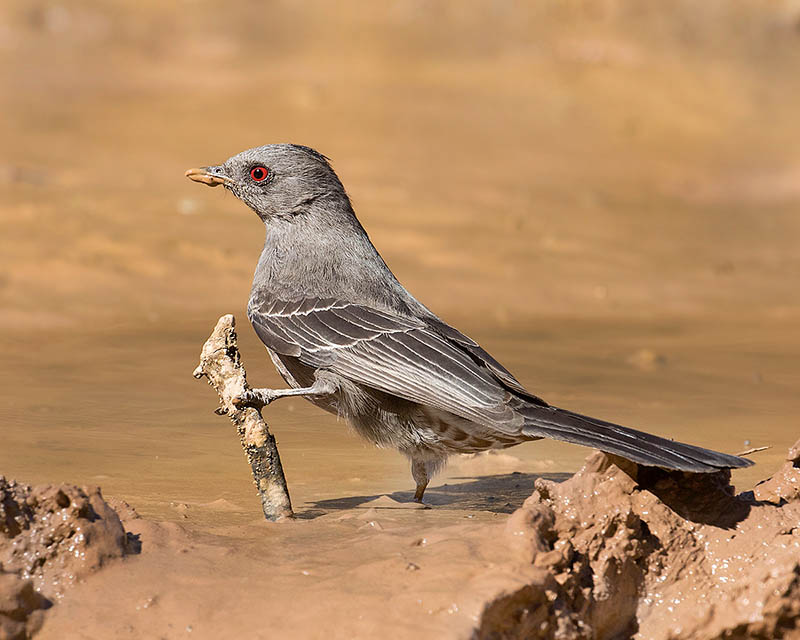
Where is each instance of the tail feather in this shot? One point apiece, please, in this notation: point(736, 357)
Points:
point(642, 448)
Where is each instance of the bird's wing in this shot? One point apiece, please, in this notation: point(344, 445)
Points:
point(398, 355)
point(485, 358)
point(423, 361)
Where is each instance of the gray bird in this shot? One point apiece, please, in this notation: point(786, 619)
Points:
point(344, 333)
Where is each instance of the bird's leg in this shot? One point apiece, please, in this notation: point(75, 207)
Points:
point(420, 474)
point(258, 398)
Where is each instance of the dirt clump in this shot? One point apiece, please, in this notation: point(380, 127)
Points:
point(627, 551)
point(50, 537)
point(784, 486)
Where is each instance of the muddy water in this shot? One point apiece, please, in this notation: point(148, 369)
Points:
point(607, 197)
point(121, 410)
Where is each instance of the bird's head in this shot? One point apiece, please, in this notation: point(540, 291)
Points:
point(277, 180)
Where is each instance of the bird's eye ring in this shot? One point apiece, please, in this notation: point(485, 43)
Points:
point(259, 174)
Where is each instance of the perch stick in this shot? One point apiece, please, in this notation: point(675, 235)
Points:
point(221, 364)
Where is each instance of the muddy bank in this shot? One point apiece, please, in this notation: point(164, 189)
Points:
point(50, 538)
point(585, 193)
point(600, 193)
point(623, 551)
point(615, 551)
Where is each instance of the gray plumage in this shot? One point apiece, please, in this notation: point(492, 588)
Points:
point(332, 314)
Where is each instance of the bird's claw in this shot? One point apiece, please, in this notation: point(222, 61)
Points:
point(255, 398)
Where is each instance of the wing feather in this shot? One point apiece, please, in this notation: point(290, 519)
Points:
point(398, 355)
point(429, 362)
point(481, 355)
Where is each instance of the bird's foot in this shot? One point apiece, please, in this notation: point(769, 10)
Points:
point(259, 398)
point(420, 504)
point(255, 398)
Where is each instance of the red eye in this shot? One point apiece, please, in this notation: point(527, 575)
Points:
point(259, 174)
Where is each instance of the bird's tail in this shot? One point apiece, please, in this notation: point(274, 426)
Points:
point(642, 448)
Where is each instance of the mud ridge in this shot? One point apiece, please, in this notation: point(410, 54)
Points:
point(619, 551)
point(50, 537)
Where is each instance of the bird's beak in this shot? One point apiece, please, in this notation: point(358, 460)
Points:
point(212, 176)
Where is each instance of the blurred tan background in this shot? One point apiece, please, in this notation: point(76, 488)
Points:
point(606, 194)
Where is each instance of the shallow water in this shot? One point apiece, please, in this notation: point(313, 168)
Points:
point(120, 409)
point(602, 194)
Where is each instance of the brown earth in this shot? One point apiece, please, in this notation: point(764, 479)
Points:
point(51, 537)
point(623, 551)
point(615, 551)
point(605, 194)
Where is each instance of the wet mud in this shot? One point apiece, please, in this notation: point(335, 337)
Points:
point(615, 551)
point(626, 551)
point(603, 193)
point(50, 538)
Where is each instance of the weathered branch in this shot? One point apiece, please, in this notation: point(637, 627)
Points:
point(221, 363)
